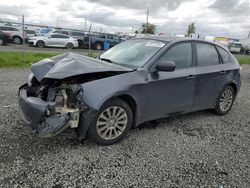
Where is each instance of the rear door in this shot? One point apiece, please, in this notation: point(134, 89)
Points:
point(211, 76)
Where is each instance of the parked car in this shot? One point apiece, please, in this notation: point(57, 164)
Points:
point(44, 31)
point(30, 32)
point(97, 41)
point(74, 34)
point(136, 81)
point(16, 34)
point(235, 47)
point(53, 40)
point(4, 38)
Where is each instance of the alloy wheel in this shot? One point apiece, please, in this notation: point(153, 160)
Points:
point(1, 42)
point(226, 100)
point(112, 122)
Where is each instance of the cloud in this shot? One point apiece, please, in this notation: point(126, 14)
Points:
point(231, 7)
point(154, 5)
point(16, 10)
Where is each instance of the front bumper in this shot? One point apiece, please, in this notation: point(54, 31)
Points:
point(40, 115)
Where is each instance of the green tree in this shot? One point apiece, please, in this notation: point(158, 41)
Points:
point(191, 29)
point(148, 28)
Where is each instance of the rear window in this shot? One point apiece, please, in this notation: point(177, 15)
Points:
point(73, 33)
point(30, 31)
point(207, 55)
point(224, 55)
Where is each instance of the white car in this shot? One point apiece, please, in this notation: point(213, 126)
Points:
point(53, 40)
point(235, 47)
point(15, 34)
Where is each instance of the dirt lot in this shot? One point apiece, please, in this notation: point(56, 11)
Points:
point(194, 150)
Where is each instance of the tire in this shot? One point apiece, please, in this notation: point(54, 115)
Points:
point(17, 40)
point(69, 45)
point(1, 41)
point(225, 100)
point(40, 44)
point(114, 131)
point(98, 46)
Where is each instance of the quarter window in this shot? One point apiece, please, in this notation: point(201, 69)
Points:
point(207, 55)
point(224, 55)
point(180, 54)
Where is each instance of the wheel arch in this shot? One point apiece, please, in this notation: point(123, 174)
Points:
point(130, 101)
point(234, 86)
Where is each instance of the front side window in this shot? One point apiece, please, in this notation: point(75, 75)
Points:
point(207, 55)
point(59, 36)
point(180, 54)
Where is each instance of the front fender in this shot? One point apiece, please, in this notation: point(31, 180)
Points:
point(95, 93)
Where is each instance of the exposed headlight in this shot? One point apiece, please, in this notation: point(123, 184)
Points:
point(31, 76)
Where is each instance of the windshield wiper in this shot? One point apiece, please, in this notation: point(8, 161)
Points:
point(108, 60)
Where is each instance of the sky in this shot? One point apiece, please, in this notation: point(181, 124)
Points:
point(211, 17)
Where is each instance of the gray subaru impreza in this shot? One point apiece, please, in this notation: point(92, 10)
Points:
point(136, 81)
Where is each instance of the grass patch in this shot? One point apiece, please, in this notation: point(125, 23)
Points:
point(18, 59)
point(243, 59)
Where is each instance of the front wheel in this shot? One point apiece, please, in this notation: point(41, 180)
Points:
point(111, 123)
point(225, 100)
point(40, 44)
point(69, 45)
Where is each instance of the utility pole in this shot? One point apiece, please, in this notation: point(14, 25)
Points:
point(85, 25)
point(147, 20)
point(23, 35)
point(89, 36)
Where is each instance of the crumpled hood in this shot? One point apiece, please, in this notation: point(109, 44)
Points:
point(71, 64)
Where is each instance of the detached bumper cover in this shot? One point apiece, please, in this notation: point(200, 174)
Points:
point(34, 112)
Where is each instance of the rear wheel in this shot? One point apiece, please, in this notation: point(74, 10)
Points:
point(98, 46)
point(225, 100)
point(112, 123)
point(17, 40)
point(69, 45)
point(1, 41)
point(40, 44)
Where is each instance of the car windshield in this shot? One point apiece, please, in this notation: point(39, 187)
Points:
point(133, 53)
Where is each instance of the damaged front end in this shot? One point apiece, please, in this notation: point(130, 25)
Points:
point(52, 99)
point(50, 109)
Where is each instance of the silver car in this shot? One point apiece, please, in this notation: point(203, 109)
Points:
point(53, 40)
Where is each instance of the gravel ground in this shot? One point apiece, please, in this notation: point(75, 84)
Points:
point(194, 150)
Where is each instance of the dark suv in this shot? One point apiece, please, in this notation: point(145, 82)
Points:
point(136, 81)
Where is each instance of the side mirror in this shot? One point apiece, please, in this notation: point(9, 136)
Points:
point(166, 66)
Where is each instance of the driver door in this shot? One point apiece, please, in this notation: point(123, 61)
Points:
point(172, 92)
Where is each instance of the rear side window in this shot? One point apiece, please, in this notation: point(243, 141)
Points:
point(207, 55)
point(77, 33)
point(224, 55)
point(180, 54)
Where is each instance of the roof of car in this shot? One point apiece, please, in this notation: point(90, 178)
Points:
point(173, 38)
point(165, 38)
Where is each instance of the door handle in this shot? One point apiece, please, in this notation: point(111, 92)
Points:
point(191, 77)
point(223, 72)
